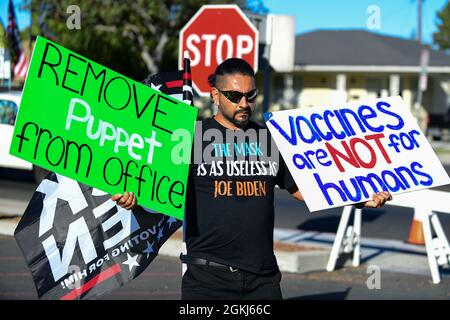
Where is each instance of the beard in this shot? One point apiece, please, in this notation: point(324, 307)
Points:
point(241, 117)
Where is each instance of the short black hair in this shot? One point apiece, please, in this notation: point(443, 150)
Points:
point(231, 66)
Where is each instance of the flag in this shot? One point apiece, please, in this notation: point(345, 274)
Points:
point(21, 67)
point(79, 244)
point(188, 96)
point(177, 84)
point(13, 30)
point(170, 83)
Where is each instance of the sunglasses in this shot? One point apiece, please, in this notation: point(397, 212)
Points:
point(236, 96)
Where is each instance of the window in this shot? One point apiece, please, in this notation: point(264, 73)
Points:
point(8, 112)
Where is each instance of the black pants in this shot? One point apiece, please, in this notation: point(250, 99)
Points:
point(201, 282)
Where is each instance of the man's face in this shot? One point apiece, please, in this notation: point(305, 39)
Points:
point(235, 113)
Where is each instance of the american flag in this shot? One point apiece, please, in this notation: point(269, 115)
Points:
point(21, 67)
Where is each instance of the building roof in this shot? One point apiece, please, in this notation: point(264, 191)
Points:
point(360, 48)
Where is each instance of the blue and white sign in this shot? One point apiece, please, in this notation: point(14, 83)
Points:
point(343, 155)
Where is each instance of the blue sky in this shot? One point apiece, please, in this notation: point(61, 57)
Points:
point(398, 17)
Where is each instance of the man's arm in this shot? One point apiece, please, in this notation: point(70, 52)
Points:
point(296, 193)
point(378, 199)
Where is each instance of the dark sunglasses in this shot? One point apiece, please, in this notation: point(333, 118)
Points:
point(236, 96)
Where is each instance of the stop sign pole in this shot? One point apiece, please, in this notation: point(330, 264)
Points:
point(214, 34)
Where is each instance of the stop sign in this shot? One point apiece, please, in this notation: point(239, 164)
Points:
point(214, 34)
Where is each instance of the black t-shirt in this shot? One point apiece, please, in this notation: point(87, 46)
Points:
point(229, 205)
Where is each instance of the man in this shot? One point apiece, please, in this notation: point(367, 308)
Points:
point(230, 196)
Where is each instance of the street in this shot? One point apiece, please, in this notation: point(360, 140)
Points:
point(162, 281)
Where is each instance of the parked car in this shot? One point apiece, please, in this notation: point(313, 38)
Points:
point(9, 107)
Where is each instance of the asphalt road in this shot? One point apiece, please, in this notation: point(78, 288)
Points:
point(162, 281)
point(388, 222)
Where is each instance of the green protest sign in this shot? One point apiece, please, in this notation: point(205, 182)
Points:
point(89, 123)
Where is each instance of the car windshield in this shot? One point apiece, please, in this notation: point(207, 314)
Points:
point(8, 111)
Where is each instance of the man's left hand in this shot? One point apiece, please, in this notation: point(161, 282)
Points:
point(126, 200)
point(378, 200)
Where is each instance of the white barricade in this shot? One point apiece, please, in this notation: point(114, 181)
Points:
point(425, 204)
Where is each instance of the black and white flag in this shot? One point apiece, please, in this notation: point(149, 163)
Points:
point(79, 244)
point(177, 84)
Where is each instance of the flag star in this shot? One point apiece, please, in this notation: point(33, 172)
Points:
point(160, 234)
point(131, 261)
point(149, 249)
point(155, 87)
point(170, 221)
